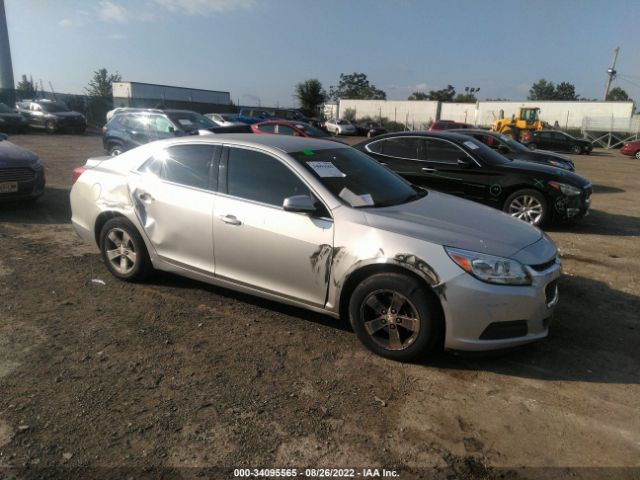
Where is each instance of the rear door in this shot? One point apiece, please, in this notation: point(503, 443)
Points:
point(257, 242)
point(173, 194)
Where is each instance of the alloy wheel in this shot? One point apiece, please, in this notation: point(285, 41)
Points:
point(391, 319)
point(120, 251)
point(527, 208)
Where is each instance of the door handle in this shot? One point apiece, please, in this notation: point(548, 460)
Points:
point(145, 197)
point(425, 169)
point(230, 219)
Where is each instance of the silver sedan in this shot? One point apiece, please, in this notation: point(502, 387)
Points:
point(322, 226)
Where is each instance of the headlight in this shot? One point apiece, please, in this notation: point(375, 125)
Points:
point(566, 189)
point(488, 268)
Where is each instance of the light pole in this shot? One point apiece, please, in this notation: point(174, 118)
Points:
point(7, 86)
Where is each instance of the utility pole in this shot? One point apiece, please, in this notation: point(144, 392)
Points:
point(611, 72)
point(7, 87)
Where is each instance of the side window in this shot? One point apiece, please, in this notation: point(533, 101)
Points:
point(187, 165)
point(160, 125)
point(284, 130)
point(559, 136)
point(269, 128)
point(443, 151)
point(400, 147)
point(256, 176)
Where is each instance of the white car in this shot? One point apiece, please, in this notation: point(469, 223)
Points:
point(340, 127)
point(224, 119)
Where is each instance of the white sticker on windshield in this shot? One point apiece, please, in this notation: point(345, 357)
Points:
point(184, 121)
point(471, 145)
point(364, 200)
point(326, 169)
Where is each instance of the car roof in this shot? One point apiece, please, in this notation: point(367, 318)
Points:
point(445, 134)
point(466, 131)
point(283, 143)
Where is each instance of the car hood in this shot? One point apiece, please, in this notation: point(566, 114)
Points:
point(559, 174)
point(447, 220)
point(14, 156)
point(541, 156)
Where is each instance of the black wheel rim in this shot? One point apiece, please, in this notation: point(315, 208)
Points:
point(390, 319)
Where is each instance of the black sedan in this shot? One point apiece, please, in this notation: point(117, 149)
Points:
point(11, 121)
point(514, 150)
point(370, 129)
point(460, 165)
point(556, 141)
point(21, 172)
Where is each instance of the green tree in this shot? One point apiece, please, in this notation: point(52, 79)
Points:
point(26, 88)
point(542, 90)
point(311, 96)
point(418, 96)
point(465, 98)
point(617, 94)
point(100, 84)
point(443, 95)
point(100, 93)
point(356, 86)
point(565, 91)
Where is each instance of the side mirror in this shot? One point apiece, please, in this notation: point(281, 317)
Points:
point(172, 130)
point(465, 162)
point(299, 203)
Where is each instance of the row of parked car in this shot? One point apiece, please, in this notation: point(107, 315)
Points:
point(43, 114)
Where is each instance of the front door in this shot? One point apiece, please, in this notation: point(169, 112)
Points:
point(257, 242)
point(173, 197)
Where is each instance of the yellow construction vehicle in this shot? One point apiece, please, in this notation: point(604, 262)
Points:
point(528, 119)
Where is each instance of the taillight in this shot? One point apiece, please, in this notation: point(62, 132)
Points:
point(75, 174)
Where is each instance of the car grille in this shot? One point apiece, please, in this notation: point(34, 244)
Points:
point(19, 174)
point(541, 267)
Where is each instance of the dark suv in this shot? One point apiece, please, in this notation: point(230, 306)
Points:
point(52, 116)
point(131, 128)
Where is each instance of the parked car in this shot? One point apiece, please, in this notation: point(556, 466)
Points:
point(133, 127)
point(224, 119)
point(339, 127)
point(293, 115)
point(285, 127)
point(556, 141)
point(21, 172)
point(441, 125)
point(369, 129)
point(52, 116)
point(253, 115)
point(631, 148)
point(322, 226)
point(11, 120)
point(514, 150)
point(465, 167)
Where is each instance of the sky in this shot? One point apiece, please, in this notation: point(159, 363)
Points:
point(260, 49)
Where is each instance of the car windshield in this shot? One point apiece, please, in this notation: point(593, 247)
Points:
point(517, 146)
point(190, 121)
point(356, 178)
point(54, 107)
point(488, 155)
point(343, 122)
point(309, 130)
point(4, 108)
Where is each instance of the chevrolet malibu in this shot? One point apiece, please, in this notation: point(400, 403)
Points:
point(322, 226)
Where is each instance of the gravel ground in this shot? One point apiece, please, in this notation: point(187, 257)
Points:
point(177, 379)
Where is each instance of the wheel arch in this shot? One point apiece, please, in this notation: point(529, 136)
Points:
point(103, 218)
point(361, 273)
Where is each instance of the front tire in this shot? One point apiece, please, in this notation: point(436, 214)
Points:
point(527, 205)
point(115, 149)
point(637, 155)
point(395, 317)
point(532, 146)
point(50, 126)
point(123, 250)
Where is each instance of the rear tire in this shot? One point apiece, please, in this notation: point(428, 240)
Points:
point(123, 250)
point(637, 155)
point(50, 126)
point(115, 149)
point(527, 205)
point(576, 150)
point(395, 317)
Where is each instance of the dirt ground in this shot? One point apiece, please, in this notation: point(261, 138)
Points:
point(178, 379)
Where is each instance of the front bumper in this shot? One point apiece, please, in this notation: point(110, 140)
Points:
point(29, 184)
point(575, 206)
point(483, 316)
